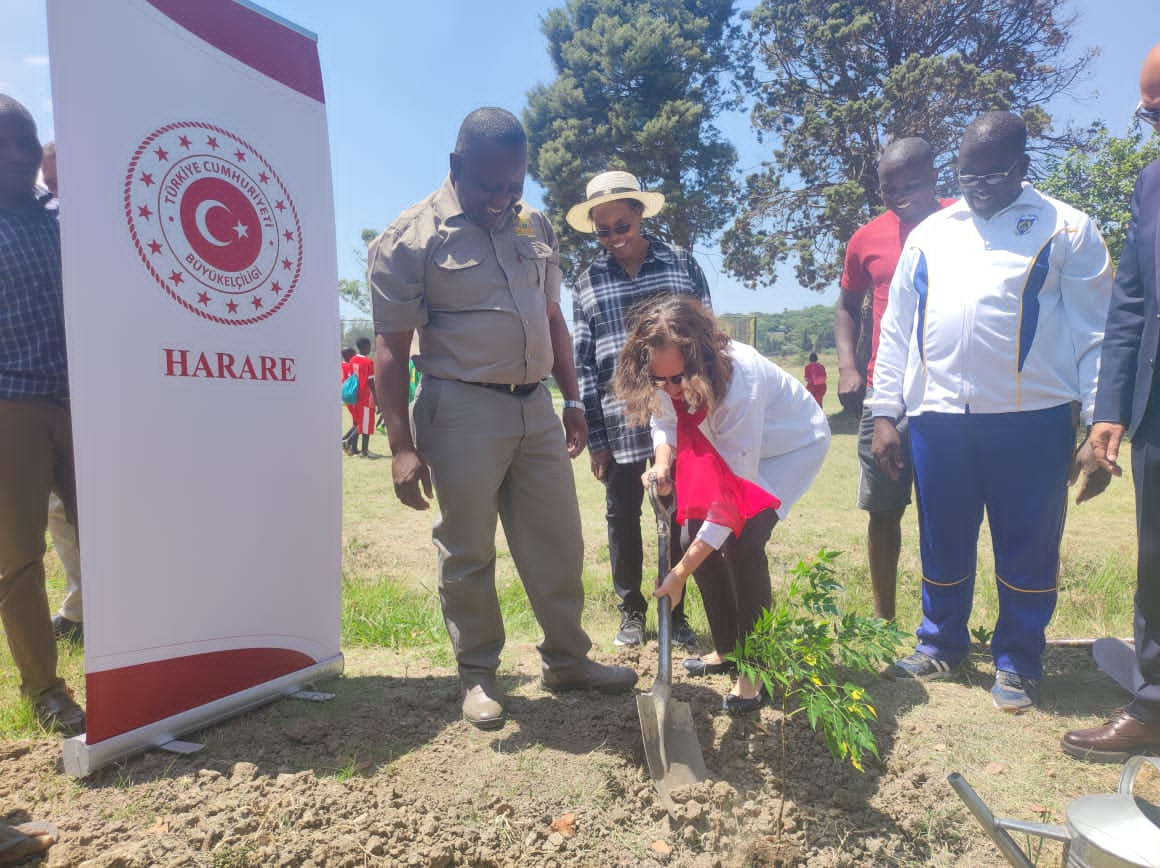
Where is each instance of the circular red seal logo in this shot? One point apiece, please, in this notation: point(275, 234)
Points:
point(213, 223)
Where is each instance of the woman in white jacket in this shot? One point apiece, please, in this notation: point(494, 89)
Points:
point(742, 440)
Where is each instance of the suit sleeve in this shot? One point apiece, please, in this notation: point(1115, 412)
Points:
point(1085, 285)
point(1124, 329)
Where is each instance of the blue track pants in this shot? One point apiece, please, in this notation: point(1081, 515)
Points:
point(1015, 466)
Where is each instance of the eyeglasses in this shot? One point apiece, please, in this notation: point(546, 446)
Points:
point(1148, 116)
point(619, 229)
point(661, 382)
point(994, 179)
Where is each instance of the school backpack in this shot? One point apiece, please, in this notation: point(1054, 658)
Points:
point(350, 389)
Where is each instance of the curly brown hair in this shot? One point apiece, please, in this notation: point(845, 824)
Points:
point(683, 322)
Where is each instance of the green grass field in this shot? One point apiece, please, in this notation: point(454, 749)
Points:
point(389, 596)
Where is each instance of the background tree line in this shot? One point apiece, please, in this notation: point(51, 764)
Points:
point(642, 84)
point(804, 331)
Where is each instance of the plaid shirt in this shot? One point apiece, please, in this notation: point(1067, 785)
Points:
point(33, 363)
point(601, 303)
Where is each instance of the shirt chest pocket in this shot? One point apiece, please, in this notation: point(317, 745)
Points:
point(458, 278)
point(533, 255)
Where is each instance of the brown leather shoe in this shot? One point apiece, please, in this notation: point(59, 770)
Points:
point(589, 675)
point(1115, 741)
point(482, 704)
point(57, 711)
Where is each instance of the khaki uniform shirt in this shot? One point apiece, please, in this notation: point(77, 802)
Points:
point(478, 299)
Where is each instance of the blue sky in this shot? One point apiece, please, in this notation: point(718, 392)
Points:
point(399, 78)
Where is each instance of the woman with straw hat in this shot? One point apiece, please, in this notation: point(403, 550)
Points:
point(632, 267)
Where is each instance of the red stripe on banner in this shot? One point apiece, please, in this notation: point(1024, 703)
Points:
point(123, 699)
point(252, 38)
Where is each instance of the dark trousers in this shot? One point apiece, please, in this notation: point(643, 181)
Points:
point(1146, 476)
point(623, 498)
point(734, 582)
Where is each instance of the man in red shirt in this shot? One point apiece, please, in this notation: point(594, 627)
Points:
point(906, 178)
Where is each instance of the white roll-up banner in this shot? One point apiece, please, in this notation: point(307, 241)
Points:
point(201, 309)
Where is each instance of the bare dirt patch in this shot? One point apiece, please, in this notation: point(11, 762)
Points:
point(387, 774)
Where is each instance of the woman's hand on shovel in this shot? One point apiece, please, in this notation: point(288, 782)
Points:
point(672, 587)
point(661, 474)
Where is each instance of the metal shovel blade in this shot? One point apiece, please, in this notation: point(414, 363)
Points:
point(671, 748)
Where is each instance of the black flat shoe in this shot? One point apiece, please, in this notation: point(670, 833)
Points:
point(697, 666)
point(738, 705)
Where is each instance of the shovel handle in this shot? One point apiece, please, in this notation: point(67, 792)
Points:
point(662, 508)
point(664, 517)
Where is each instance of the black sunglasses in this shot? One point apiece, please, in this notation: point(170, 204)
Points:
point(1148, 116)
point(619, 229)
point(660, 382)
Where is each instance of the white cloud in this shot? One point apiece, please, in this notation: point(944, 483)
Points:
point(36, 60)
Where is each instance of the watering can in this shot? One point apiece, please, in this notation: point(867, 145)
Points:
point(1113, 830)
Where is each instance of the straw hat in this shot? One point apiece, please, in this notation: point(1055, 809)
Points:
point(608, 187)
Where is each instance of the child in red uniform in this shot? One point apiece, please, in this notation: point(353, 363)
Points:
point(364, 409)
point(348, 353)
point(816, 378)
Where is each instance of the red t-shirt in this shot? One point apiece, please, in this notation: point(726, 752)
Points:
point(815, 374)
point(364, 366)
point(871, 257)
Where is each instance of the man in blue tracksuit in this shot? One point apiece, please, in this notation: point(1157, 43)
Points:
point(992, 333)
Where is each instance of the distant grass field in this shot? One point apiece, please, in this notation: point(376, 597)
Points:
point(390, 598)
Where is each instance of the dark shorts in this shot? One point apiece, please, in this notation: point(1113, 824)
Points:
point(877, 492)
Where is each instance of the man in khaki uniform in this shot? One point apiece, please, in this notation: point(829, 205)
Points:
point(475, 272)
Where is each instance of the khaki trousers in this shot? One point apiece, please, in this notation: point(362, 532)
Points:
point(36, 459)
point(64, 540)
point(497, 455)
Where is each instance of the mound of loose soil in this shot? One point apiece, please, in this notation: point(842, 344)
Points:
point(388, 774)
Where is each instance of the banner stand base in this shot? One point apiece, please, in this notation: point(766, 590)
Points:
point(312, 696)
point(82, 759)
point(181, 747)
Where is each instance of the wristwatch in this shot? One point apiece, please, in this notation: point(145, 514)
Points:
point(569, 404)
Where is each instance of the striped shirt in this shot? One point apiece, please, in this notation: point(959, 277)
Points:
point(33, 363)
point(601, 303)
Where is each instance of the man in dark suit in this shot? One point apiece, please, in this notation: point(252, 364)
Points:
point(1128, 401)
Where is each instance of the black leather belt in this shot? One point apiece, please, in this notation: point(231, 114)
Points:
point(510, 388)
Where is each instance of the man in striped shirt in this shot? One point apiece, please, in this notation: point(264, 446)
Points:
point(35, 423)
point(631, 268)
